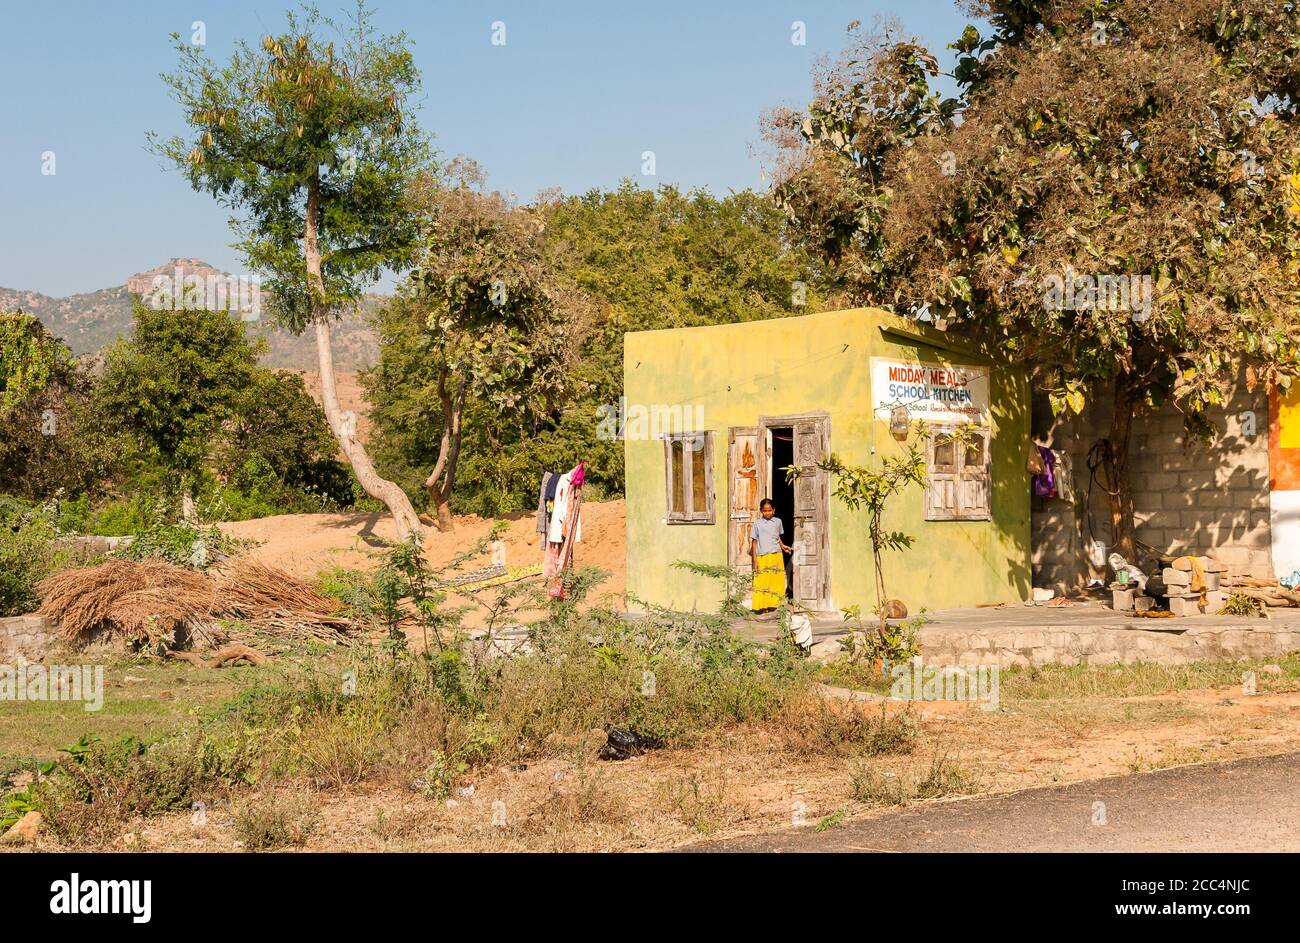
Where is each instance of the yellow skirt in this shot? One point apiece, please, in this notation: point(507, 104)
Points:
point(769, 582)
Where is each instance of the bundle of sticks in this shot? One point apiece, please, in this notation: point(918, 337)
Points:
point(1269, 592)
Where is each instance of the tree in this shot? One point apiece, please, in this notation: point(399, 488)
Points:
point(277, 426)
point(49, 437)
point(641, 259)
point(315, 147)
point(1117, 205)
point(494, 323)
point(175, 382)
point(870, 489)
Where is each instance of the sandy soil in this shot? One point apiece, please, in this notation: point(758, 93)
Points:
point(305, 544)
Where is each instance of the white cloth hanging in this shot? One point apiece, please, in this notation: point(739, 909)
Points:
point(560, 511)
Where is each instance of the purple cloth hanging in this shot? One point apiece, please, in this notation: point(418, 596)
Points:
point(1045, 484)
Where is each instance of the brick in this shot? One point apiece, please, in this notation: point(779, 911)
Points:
point(1183, 606)
point(1160, 481)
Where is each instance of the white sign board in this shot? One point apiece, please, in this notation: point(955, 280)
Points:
point(940, 394)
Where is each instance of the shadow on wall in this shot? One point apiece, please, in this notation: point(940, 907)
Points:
point(1188, 497)
point(1009, 501)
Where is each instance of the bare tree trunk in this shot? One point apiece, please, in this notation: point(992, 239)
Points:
point(442, 479)
point(1120, 492)
point(344, 425)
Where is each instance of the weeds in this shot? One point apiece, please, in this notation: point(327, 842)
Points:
point(945, 778)
point(815, 726)
point(267, 821)
point(881, 788)
point(875, 788)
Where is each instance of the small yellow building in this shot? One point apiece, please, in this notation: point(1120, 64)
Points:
point(711, 416)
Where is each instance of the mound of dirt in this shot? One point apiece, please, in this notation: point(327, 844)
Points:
point(305, 544)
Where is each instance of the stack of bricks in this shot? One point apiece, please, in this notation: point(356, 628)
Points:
point(1126, 597)
point(1186, 601)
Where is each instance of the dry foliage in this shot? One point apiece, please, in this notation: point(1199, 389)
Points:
point(144, 601)
point(148, 601)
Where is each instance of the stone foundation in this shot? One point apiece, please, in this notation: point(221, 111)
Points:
point(26, 637)
point(1093, 645)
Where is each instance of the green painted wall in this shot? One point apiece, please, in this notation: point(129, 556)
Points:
point(737, 372)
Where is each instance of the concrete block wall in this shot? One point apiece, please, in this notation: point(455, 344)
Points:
point(1188, 498)
point(28, 637)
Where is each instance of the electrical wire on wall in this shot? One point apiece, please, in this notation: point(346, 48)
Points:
point(1101, 455)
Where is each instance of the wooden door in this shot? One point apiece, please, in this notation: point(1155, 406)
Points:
point(811, 538)
point(744, 479)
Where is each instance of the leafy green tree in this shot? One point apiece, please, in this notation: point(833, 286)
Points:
point(1119, 204)
point(497, 324)
point(639, 259)
point(654, 259)
point(276, 422)
point(49, 437)
point(314, 147)
point(175, 382)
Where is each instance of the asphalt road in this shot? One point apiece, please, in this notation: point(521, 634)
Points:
point(1246, 805)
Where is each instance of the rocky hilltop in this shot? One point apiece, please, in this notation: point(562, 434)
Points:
point(89, 321)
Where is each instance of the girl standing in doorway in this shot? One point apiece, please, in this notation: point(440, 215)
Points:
point(765, 548)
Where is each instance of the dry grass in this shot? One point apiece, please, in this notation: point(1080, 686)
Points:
point(148, 601)
point(143, 601)
point(264, 594)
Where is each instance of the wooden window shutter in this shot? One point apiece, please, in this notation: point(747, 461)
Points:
point(959, 487)
point(688, 477)
point(941, 489)
point(973, 481)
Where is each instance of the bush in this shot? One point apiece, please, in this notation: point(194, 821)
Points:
point(29, 552)
point(98, 786)
point(820, 727)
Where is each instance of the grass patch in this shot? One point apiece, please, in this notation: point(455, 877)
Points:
point(1049, 682)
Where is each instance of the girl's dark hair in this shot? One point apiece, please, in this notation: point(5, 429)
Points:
point(766, 502)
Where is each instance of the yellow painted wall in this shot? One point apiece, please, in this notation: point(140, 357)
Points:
point(738, 372)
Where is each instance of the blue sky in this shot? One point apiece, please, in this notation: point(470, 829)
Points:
point(573, 98)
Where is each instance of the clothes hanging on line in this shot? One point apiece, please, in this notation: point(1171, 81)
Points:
point(1045, 483)
point(542, 498)
point(564, 529)
point(559, 526)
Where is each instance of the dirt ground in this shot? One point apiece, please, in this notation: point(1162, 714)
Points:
point(751, 781)
point(306, 544)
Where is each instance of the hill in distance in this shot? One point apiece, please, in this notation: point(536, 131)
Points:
point(89, 321)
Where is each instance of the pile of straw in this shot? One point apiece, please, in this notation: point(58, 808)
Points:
point(147, 601)
point(143, 601)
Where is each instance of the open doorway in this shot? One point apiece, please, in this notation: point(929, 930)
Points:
point(782, 495)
